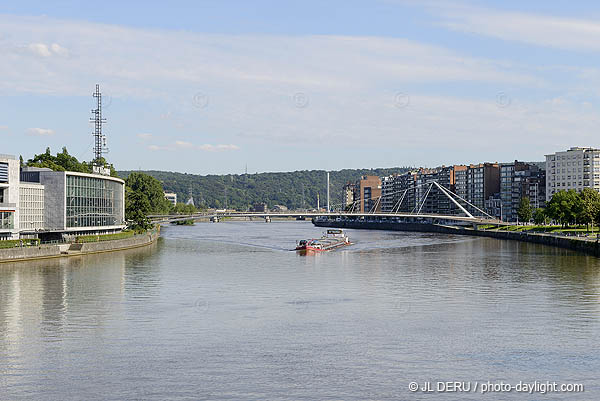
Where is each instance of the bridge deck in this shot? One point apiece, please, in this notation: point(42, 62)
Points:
point(466, 219)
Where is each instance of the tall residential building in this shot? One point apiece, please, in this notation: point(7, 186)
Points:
point(576, 168)
point(477, 183)
point(369, 187)
point(429, 199)
point(519, 180)
point(348, 195)
point(398, 192)
point(387, 192)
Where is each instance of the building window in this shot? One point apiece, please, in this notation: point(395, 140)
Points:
point(7, 220)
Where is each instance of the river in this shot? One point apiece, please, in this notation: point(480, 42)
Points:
point(227, 312)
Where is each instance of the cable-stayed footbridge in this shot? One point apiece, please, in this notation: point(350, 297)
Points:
point(429, 202)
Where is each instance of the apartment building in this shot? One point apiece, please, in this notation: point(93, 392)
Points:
point(348, 193)
point(576, 168)
point(369, 193)
point(477, 183)
point(519, 180)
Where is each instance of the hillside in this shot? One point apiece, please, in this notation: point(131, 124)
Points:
point(297, 189)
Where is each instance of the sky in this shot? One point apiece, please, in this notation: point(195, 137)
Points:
point(215, 87)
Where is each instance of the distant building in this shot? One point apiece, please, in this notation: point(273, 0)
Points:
point(280, 208)
point(348, 193)
point(400, 192)
point(493, 205)
point(171, 197)
point(414, 191)
point(576, 168)
point(476, 183)
point(369, 187)
point(519, 180)
point(260, 208)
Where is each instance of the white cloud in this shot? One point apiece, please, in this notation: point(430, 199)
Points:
point(144, 136)
point(43, 50)
point(40, 49)
point(542, 30)
point(183, 144)
point(128, 58)
point(40, 131)
point(178, 145)
point(217, 148)
point(59, 50)
point(3, 127)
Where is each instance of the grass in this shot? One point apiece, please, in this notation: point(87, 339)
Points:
point(105, 237)
point(13, 243)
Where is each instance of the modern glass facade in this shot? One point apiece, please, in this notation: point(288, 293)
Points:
point(93, 202)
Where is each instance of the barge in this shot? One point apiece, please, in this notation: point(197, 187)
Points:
point(332, 238)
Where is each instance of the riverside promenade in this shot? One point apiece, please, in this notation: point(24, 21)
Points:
point(46, 251)
point(580, 244)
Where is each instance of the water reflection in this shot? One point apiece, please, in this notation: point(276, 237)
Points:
point(226, 311)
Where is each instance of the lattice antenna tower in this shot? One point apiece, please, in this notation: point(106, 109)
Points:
point(99, 138)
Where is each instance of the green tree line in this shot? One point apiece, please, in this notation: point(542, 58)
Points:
point(565, 208)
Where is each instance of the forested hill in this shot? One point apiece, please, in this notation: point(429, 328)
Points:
point(297, 189)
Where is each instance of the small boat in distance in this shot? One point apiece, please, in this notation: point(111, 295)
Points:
point(332, 238)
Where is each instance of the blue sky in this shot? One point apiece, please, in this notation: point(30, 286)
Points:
point(210, 87)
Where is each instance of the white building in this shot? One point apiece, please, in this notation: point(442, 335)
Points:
point(9, 197)
point(576, 168)
point(171, 197)
point(31, 207)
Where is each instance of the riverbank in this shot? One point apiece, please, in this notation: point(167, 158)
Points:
point(591, 247)
point(47, 251)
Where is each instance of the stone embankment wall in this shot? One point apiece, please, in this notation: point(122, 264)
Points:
point(54, 251)
point(586, 246)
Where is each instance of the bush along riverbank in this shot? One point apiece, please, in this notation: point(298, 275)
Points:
point(81, 246)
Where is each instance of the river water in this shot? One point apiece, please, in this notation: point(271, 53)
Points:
point(227, 312)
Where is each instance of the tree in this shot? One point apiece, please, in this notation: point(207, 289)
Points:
point(539, 216)
point(61, 162)
point(182, 208)
point(137, 208)
point(524, 211)
point(564, 207)
point(143, 186)
point(590, 207)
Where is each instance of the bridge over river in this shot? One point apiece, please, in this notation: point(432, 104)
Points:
point(466, 212)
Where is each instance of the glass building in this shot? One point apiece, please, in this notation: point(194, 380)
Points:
point(79, 203)
point(93, 202)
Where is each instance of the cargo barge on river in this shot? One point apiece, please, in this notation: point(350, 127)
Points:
point(331, 239)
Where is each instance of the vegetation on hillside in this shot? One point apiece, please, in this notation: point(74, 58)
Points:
point(295, 190)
